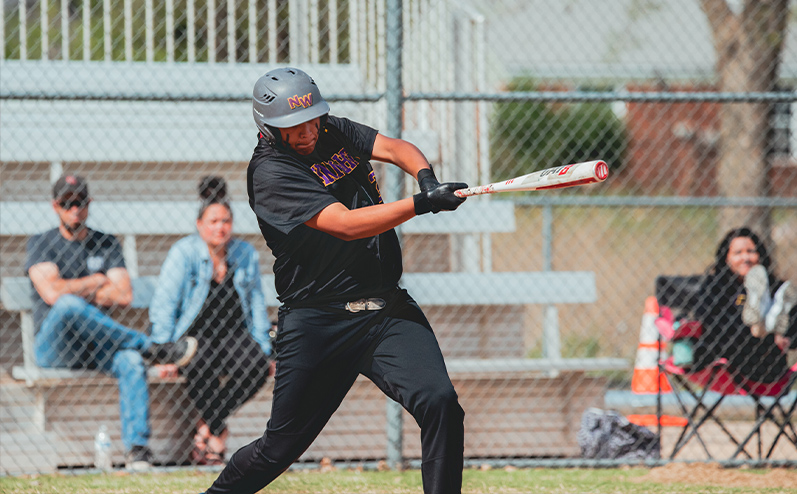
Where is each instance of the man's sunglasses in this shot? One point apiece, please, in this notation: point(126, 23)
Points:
point(80, 203)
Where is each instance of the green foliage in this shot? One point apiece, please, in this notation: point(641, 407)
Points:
point(531, 135)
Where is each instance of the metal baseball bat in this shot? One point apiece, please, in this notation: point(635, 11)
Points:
point(558, 177)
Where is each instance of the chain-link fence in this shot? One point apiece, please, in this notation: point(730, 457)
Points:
point(538, 300)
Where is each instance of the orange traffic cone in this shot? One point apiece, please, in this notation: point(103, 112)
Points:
point(647, 377)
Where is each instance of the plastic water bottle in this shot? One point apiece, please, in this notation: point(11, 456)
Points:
point(102, 450)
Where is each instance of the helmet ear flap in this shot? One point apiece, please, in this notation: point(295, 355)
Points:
point(272, 135)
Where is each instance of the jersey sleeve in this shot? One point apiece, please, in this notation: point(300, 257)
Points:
point(362, 136)
point(285, 196)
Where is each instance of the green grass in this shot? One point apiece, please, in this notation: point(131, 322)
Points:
point(543, 481)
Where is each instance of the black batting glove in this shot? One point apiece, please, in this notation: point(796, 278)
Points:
point(440, 198)
point(427, 180)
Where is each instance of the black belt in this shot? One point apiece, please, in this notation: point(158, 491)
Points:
point(365, 304)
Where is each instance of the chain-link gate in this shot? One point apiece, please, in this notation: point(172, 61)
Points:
point(538, 299)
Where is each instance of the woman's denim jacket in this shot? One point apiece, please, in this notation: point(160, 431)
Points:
point(184, 283)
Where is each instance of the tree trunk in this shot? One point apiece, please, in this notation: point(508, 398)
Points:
point(748, 47)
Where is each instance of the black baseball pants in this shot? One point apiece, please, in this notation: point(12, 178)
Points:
point(320, 353)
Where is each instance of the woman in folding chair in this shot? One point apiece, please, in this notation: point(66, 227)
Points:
point(735, 307)
point(748, 327)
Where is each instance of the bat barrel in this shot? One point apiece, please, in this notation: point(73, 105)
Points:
point(559, 177)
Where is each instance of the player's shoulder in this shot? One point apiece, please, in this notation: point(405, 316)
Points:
point(270, 166)
point(265, 154)
point(346, 125)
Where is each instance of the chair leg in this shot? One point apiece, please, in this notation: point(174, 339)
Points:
point(708, 414)
point(691, 426)
point(764, 415)
point(783, 425)
point(681, 385)
point(759, 410)
point(755, 431)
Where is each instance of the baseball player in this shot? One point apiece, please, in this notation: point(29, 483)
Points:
point(337, 267)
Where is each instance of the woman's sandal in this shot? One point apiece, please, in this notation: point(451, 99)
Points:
point(202, 455)
point(199, 450)
point(214, 458)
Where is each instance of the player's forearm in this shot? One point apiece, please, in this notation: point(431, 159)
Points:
point(401, 153)
point(346, 224)
point(412, 167)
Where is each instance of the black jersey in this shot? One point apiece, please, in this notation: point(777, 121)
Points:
point(287, 189)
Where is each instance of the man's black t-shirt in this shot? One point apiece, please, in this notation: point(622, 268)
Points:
point(97, 253)
point(287, 189)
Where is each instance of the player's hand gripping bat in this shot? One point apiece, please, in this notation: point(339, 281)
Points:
point(559, 177)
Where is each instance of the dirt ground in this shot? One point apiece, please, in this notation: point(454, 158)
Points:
point(713, 474)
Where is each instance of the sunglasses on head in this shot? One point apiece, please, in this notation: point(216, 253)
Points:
point(69, 204)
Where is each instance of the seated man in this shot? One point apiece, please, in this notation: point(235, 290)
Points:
point(78, 275)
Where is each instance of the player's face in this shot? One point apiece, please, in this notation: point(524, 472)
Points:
point(215, 225)
point(303, 137)
point(742, 255)
point(72, 210)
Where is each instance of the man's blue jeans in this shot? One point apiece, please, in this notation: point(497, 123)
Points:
point(75, 335)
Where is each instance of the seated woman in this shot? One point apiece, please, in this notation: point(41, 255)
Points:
point(209, 288)
point(742, 273)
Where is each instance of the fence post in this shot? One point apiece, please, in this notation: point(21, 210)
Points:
point(552, 345)
point(395, 101)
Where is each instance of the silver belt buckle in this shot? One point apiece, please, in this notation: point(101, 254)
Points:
point(365, 304)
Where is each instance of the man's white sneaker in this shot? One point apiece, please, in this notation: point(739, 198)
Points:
point(138, 459)
point(777, 319)
point(758, 300)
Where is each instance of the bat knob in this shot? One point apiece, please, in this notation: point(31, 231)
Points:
point(601, 170)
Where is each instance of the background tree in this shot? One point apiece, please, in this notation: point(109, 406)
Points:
point(748, 46)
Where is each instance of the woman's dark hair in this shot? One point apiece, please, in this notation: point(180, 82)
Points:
point(212, 190)
point(720, 265)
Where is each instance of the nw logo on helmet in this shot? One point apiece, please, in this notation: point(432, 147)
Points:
point(297, 101)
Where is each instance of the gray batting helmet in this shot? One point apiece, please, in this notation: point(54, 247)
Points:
point(283, 98)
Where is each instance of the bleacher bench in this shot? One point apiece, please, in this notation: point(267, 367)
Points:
point(428, 289)
point(555, 391)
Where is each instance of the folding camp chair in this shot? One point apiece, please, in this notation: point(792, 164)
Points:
point(676, 294)
point(719, 378)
